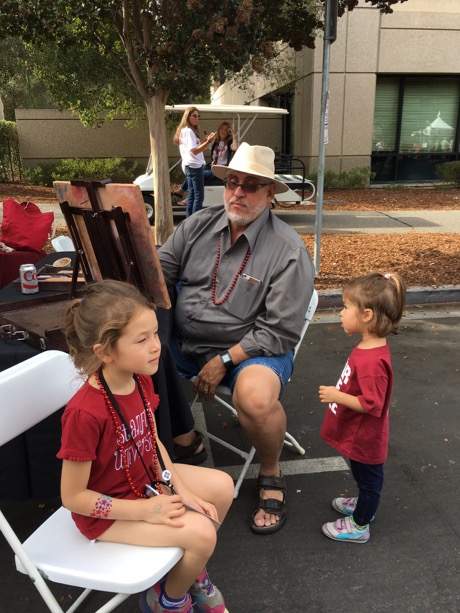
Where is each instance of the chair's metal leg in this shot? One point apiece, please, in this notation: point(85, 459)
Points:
point(79, 600)
point(212, 437)
point(28, 566)
point(113, 603)
point(247, 455)
point(109, 606)
point(291, 443)
point(243, 472)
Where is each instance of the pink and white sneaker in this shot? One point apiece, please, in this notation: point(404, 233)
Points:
point(346, 506)
point(206, 597)
point(149, 601)
point(346, 530)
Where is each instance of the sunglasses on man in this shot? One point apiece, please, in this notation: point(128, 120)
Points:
point(248, 186)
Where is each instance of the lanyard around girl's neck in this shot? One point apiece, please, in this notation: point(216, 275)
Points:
point(166, 475)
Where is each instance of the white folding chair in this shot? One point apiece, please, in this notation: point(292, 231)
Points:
point(222, 390)
point(57, 551)
point(62, 243)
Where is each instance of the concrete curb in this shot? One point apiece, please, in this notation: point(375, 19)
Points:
point(442, 294)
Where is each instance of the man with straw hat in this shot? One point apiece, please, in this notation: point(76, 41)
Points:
point(245, 280)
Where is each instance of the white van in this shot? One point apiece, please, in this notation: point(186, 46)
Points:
point(243, 117)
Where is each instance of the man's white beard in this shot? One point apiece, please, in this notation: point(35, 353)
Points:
point(250, 215)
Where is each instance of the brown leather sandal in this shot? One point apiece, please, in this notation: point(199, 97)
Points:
point(187, 454)
point(270, 505)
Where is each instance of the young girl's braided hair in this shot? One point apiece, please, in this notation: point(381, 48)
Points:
point(99, 316)
point(384, 294)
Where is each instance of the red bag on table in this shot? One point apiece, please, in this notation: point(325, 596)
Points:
point(24, 226)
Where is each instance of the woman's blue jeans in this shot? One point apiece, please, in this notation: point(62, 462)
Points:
point(195, 186)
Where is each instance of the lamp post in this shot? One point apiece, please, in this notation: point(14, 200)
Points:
point(330, 34)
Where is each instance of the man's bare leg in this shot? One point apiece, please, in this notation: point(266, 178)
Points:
point(263, 419)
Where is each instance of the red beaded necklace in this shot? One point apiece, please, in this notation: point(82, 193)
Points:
point(235, 279)
point(120, 436)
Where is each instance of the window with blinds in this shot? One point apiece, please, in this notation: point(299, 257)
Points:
point(429, 115)
point(385, 114)
point(427, 118)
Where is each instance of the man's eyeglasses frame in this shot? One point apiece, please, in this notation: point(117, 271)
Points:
point(247, 187)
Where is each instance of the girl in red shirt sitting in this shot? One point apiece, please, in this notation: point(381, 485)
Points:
point(356, 421)
point(117, 477)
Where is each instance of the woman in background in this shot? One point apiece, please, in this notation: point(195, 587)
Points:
point(222, 150)
point(224, 145)
point(191, 149)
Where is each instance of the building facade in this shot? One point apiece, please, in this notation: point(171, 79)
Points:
point(394, 93)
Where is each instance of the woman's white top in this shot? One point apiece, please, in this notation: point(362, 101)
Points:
point(188, 140)
point(220, 153)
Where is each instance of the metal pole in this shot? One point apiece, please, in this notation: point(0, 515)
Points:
point(330, 19)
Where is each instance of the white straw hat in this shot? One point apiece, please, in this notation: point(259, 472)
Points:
point(253, 160)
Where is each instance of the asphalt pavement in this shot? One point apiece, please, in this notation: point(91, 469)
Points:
point(411, 563)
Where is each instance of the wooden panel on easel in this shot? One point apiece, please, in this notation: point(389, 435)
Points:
point(129, 198)
point(78, 197)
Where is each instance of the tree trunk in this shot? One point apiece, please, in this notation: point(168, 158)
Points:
point(164, 226)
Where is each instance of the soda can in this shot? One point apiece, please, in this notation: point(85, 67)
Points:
point(29, 281)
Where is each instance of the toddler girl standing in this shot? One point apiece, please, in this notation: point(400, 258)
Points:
point(356, 422)
point(112, 458)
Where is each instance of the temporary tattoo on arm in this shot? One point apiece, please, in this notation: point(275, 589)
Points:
point(103, 507)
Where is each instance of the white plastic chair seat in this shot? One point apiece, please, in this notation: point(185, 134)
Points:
point(63, 555)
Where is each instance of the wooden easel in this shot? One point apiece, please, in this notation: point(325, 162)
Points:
point(112, 237)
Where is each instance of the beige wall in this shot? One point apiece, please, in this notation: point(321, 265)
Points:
point(421, 36)
point(49, 136)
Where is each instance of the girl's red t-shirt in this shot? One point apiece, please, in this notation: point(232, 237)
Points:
point(362, 437)
point(88, 435)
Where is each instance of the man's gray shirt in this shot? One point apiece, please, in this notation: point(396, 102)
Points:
point(267, 317)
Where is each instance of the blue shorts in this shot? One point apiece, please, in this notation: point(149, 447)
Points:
point(282, 365)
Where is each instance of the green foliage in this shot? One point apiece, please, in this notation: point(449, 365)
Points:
point(119, 170)
point(88, 83)
point(450, 172)
point(21, 85)
point(10, 160)
point(395, 187)
point(356, 178)
point(40, 175)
